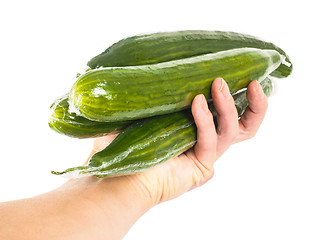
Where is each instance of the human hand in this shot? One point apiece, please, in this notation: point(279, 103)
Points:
point(195, 166)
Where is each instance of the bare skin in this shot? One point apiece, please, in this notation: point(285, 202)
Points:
point(92, 208)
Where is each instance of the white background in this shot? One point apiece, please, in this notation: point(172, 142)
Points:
point(264, 188)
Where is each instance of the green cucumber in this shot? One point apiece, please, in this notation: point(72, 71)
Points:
point(167, 46)
point(136, 92)
point(149, 142)
point(70, 124)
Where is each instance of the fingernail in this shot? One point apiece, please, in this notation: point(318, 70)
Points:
point(204, 103)
point(224, 89)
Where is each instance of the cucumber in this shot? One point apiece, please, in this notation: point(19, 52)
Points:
point(136, 92)
point(167, 46)
point(149, 142)
point(70, 124)
point(141, 145)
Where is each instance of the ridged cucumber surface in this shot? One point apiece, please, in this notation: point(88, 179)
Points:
point(70, 124)
point(149, 142)
point(136, 92)
point(167, 46)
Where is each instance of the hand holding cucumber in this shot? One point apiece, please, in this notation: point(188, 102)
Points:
point(154, 89)
point(196, 166)
point(144, 86)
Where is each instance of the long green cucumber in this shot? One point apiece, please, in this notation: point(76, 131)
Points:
point(167, 46)
point(136, 92)
point(70, 124)
point(149, 142)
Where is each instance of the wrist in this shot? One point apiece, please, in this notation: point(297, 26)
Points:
point(126, 191)
point(114, 203)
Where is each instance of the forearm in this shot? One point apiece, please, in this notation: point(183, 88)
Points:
point(84, 208)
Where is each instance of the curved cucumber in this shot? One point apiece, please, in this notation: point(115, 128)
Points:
point(70, 124)
point(149, 142)
point(168, 46)
point(136, 92)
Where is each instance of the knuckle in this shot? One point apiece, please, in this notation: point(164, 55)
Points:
point(202, 173)
point(210, 176)
point(233, 136)
point(245, 135)
point(203, 176)
point(251, 134)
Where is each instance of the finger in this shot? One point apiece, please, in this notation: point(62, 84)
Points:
point(227, 116)
point(206, 133)
point(252, 118)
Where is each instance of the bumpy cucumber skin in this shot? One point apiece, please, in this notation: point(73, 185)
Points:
point(136, 92)
point(70, 124)
point(167, 46)
point(149, 142)
point(158, 139)
point(141, 145)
